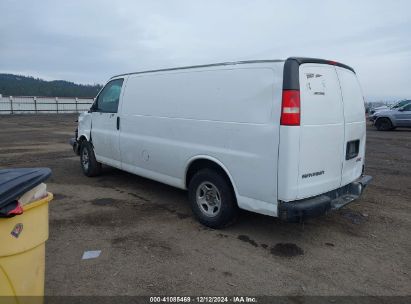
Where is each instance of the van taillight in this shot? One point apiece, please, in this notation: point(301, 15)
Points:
point(290, 109)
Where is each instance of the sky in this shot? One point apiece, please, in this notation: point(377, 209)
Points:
point(89, 41)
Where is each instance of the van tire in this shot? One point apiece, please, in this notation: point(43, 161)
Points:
point(383, 124)
point(90, 166)
point(209, 188)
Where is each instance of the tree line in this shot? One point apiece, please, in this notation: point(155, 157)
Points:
point(16, 85)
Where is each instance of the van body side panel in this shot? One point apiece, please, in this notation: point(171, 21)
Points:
point(355, 126)
point(226, 113)
point(237, 95)
point(322, 130)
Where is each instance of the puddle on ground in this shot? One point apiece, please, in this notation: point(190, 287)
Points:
point(103, 201)
point(221, 235)
point(58, 196)
point(355, 217)
point(286, 250)
point(246, 238)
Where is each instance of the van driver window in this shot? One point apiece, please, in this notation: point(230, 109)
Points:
point(108, 99)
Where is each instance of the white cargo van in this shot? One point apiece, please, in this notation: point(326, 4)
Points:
point(281, 138)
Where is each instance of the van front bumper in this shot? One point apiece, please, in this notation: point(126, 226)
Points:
point(315, 206)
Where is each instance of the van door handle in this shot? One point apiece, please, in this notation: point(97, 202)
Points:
point(118, 123)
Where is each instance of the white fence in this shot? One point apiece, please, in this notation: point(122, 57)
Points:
point(32, 104)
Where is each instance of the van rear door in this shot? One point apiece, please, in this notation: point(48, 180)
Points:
point(355, 127)
point(322, 139)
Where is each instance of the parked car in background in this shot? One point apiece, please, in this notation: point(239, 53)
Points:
point(392, 118)
point(396, 105)
point(251, 135)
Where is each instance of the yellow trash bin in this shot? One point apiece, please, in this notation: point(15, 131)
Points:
point(22, 250)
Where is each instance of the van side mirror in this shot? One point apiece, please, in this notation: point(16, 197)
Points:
point(401, 109)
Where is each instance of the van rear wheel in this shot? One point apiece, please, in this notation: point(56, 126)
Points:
point(383, 124)
point(91, 167)
point(212, 199)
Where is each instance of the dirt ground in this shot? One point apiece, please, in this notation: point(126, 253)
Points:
point(152, 245)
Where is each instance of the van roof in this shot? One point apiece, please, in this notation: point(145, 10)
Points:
point(200, 66)
point(298, 60)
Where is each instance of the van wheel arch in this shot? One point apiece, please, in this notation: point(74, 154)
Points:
point(204, 163)
point(82, 139)
point(211, 194)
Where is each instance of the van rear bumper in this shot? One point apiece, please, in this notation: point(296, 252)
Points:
point(324, 203)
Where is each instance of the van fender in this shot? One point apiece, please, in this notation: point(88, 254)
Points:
point(215, 160)
point(84, 126)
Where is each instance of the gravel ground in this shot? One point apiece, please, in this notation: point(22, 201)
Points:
point(152, 245)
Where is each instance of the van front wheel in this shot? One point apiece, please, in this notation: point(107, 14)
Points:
point(89, 164)
point(212, 199)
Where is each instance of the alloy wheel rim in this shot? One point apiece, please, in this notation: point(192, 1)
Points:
point(208, 199)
